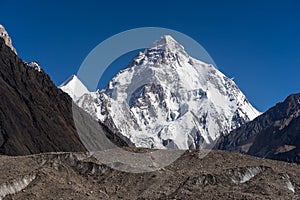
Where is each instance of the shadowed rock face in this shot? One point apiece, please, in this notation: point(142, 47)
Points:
point(35, 116)
point(275, 134)
point(219, 175)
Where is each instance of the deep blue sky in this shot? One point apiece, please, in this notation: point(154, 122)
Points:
point(257, 42)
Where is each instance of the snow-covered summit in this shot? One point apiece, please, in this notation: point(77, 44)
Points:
point(167, 99)
point(74, 87)
point(163, 51)
point(167, 42)
point(7, 39)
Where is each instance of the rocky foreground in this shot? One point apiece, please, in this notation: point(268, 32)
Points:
point(219, 175)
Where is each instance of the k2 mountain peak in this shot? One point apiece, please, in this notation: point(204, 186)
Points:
point(167, 99)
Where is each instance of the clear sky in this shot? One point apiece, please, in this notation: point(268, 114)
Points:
point(256, 42)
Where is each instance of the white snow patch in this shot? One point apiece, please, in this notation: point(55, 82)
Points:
point(244, 175)
point(15, 186)
point(35, 66)
point(289, 184)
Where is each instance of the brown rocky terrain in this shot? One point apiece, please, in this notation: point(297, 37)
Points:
point(219, 175)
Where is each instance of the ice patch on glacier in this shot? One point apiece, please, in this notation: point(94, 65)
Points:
point(16, 185)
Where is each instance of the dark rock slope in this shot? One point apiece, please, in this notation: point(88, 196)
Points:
point(275, 134)
point(35, 116)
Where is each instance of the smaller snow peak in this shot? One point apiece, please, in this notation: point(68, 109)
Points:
point(74, 87)
point(70, 79)
point(6, 38)
point(34, 65)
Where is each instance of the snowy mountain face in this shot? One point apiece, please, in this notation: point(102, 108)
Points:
point(74, 87)
point(167, 99)
point(7, 39)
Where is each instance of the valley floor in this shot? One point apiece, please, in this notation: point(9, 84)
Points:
point(219, 175)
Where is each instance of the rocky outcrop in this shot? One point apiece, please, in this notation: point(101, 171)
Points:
point(6, 38)
point(275, 134)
